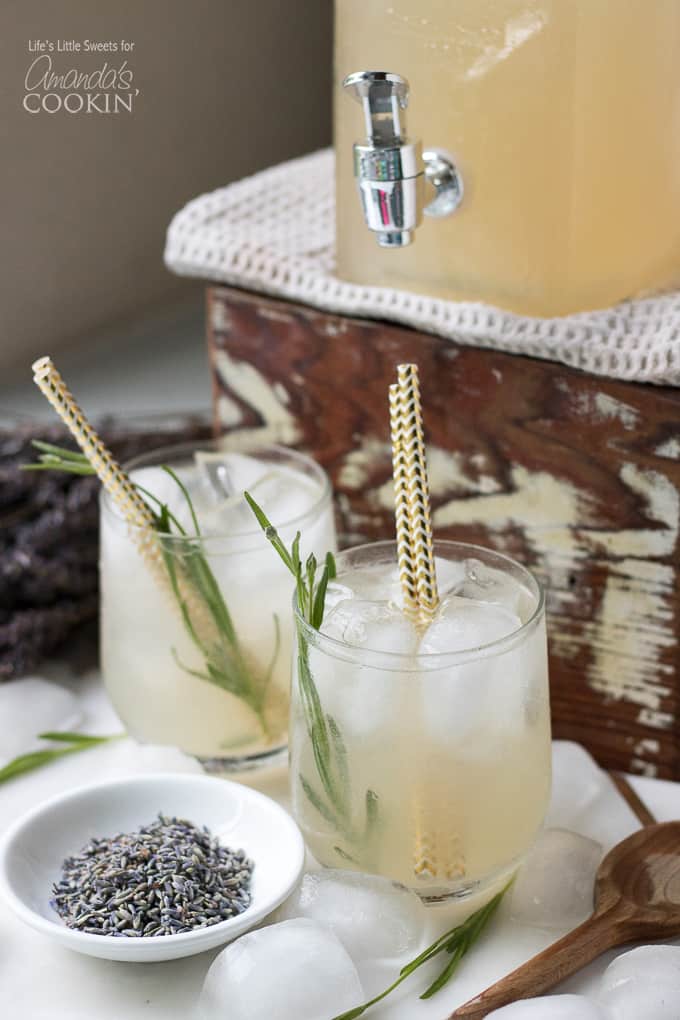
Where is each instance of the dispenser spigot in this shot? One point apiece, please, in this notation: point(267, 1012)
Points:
point(390, 170)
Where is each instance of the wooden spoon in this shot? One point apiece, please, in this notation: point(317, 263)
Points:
point(637, 897)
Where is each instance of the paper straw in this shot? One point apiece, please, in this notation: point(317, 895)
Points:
point(412, 496)
point(436, 850)
point(407, 568)
point(119, 486)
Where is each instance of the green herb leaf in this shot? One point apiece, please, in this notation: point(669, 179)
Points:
point(35, 759)
point(457, 942)
point(60, 459)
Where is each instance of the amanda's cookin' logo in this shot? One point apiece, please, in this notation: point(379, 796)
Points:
point(49, 88)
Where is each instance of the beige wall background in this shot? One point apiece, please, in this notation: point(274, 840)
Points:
point(226, 87)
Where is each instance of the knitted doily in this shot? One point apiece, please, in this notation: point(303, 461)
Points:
point(274, 232)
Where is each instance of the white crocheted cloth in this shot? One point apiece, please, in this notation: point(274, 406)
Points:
point(275, 233)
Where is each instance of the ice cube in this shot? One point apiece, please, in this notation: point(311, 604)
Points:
point(551, 1007)
point(223, 474)
point(31, 706)
point(378, 921)
point(643, 983)
point(335, 594)
point(554, 887)
point(284, 494)
point(578, 787)
point(295, 970)
point(376, 626)
point(159, 484)
point(381, 583)
point(463, 624)
point(486, 584)
point(463, 699)
point(364, 696)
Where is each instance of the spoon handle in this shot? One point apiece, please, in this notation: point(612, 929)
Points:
point(542, 972)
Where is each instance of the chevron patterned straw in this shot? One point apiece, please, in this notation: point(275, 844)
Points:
point(407, 567)
point(412, 498)
point(116, 482)
point(434, 853)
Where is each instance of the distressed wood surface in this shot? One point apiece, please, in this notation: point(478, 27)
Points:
point(576, 476)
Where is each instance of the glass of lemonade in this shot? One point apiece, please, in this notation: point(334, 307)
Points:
point(423, 754)
point(225, 701)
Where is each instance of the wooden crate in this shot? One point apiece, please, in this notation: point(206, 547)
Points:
point(575, 475)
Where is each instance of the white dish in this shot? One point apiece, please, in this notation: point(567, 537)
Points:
point(32, 851)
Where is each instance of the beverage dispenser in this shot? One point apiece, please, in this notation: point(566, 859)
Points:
point(539, 168)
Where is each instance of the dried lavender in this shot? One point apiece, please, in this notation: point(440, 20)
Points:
point(49, 537)
point(166, 878)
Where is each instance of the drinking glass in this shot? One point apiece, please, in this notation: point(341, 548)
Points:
point(219, 694)
point(423, 753)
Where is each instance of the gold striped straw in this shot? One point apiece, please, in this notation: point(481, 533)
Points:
point(407, 568)
point(436, 850)
point(116, 482)
point(412, 497)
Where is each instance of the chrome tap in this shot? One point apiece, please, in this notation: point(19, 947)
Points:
point(390, 170)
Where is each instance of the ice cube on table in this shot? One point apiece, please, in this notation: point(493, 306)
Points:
point(31, 706)
point(378, 921)
point(643, 984)
point(580, 795)
point(555, 886)
point(552, 1007)
point(295, 970)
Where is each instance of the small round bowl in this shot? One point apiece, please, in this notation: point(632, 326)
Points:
point(32, 852)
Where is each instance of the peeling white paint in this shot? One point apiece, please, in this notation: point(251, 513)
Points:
point(274, 314)
point(633, 628)
point(633, 622)
point(670, 448)
point(662, 504)
point(647, 746)
point(643, 768)
point(655, 720)
point(281, 393)
point(228, 411)
point(220, 318)
point(598, 407)
point(356, 468)
point(445, 469)
point(446, 474)
point(252, 388)
point(608, 407)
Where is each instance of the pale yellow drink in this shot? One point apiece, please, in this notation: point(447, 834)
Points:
point(155, 675)
point(438, 768)
point(563, 116)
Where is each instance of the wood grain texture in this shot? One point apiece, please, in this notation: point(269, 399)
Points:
point(637, 898)
point(574, 475)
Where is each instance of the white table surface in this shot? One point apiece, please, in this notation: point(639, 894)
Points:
point(42, 981)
